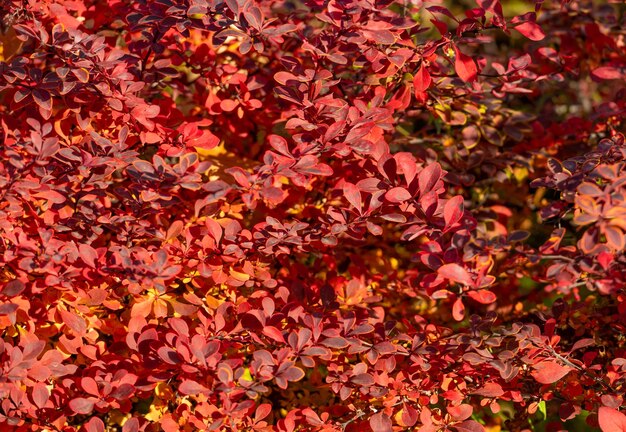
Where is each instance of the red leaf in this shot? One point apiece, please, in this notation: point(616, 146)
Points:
point(483, 296)
point(293, 374)
point(40, 395)
point(409, 416)
point(455, 273)
point(363, 379)
point(531, 30)
point(458, 310)
point(611, 420)
point(174, 230)
point(273, 333)
point(607, 73)
point(88, 255)
point(465, 66)
point(470, 136)
point(81, 405)
point(469, 426)
point(131, 425)
point(453, 211)
point(490, 390)
point(13, 288)
point(262, 411)
point(335, 342)
point(460, 412)
point(380, 422)
point(421, 83)
point(188, 387)
point(94, 425)
point(353, 195)
point(73, 321)
point(429, 177)
point(89, 385)
point(397, 195)
point(228, 105)
point(42, 98)
point(548, 372)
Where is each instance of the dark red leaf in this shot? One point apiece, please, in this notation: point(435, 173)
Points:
point(453, 211)
point(429, 177)
point(13, 288)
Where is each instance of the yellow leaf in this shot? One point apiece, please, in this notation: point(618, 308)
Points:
point(239, 276)
point(247, 376)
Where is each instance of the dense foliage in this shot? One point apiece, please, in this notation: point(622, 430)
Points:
point(312, 215)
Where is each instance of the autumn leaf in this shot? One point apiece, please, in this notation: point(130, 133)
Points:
point(465, 66)
point(548, 372)
point(611, 420)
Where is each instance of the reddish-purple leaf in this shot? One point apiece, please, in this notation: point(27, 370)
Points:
point(13, 288)
point(88, 254)
point(8, 308)
point(470, 136)
point(453, 211)
point(363, 379)
point(81, 405)
point(293, 374)
point(335, 342)
point(531, 30)
point(42, 98)
point(429, 177)
point(380, 422)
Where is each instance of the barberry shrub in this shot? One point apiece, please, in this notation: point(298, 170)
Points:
point(329, 215)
